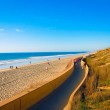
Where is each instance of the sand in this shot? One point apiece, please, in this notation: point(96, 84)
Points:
point(13, 81)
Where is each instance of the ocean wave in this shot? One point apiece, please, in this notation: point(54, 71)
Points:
point(25, 61)
point(54, 56)
point(12, 61)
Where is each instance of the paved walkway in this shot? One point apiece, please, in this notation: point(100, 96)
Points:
point(58, 99)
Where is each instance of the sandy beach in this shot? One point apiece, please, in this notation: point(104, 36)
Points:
point(13, 81)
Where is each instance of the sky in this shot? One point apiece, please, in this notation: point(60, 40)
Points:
point(54, 25)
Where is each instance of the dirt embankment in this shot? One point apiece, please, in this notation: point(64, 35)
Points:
point(94, 94)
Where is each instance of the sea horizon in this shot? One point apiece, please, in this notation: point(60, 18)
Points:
point(11, 55)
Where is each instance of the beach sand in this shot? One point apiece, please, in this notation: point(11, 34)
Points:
point(14, 81)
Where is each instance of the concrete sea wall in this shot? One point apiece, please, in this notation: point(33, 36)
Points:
point(27, 98)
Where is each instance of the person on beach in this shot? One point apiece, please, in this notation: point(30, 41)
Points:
point(30, 62)
point(59, 58)
point(16, 67)
point(48, 63)
point(46, 68)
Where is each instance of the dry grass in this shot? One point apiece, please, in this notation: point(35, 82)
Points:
point(99, 76)
point(99, 64)
point(99, 100)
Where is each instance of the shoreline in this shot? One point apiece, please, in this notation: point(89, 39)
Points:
point(30, 96)
point(42, 62)
point(14, 81)
point(26, 61)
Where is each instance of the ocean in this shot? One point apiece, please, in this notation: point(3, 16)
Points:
point(20, 59)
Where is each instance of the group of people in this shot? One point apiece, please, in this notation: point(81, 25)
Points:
point(11, 67)
point(76, 60)
point(49, 64)
point(83, 62)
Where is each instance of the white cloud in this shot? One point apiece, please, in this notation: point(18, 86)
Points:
point(2, 29)
point(18, 30)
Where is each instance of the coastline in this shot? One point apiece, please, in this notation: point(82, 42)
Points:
point(29, 97)
point(5, 64)
point(14, 81)
point(42, 62)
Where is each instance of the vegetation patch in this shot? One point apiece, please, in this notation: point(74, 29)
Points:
point(96, 89)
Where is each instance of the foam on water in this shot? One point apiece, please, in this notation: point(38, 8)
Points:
point(36, 59)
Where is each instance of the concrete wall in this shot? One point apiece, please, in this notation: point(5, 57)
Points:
point(31, 96)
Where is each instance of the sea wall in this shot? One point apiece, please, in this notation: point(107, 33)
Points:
point(29, 97)
point(70, 102)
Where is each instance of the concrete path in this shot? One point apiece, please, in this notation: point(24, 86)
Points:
point(58, 99)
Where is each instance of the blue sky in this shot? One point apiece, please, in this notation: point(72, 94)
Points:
point(54, 25)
